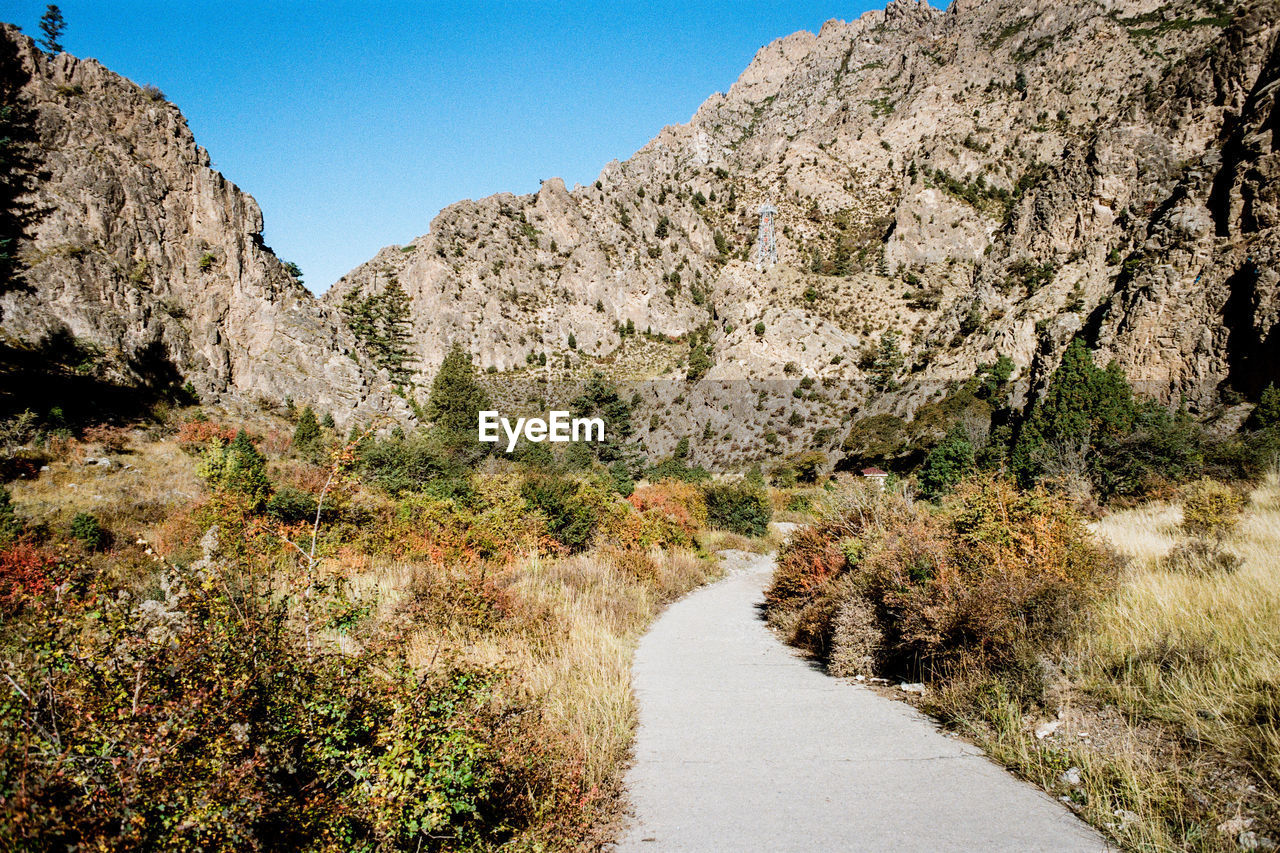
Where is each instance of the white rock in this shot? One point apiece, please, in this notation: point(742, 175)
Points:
point(1071, 777)
point(911, 687)
point(1045, 729)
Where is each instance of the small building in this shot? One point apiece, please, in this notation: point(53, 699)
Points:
point(876, 476)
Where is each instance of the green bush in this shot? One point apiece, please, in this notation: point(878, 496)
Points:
point(418, 462)
point(1210, 508)
point(291, 505)
point(738, 507)
point(10, 526)
point(573, 509)
point(86, 529)
point(237, 467)
point(947, 464)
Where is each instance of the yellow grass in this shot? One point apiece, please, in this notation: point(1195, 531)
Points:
point(567, 641)
point(1198, 654)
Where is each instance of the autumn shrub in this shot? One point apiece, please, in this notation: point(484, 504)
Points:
point(994, 570)
point(27, 572)
point(112, 439)
point(1200, 557)
point(200, 718)
point(671, 512)
point(1210, 508)
point(738, 507)
point(194, 436)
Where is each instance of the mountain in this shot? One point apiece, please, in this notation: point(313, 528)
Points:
point(143, 264)
point(995, 179)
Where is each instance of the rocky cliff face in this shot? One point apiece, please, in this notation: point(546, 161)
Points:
point(152, 260)
point(992, 179)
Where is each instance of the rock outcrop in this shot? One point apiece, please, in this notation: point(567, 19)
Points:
point(152, 260)
point(993, 179)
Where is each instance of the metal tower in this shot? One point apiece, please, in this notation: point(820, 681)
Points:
point(767, 242)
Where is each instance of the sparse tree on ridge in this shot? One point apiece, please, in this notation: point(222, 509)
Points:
point(53, 26)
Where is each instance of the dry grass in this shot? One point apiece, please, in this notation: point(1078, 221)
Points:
point(1199, 653)
point(566, 634)
point(1170, 700)
point(137, 490)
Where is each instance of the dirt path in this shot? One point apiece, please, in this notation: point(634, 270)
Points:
point(744, 746)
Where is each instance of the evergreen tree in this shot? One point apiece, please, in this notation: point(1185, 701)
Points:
point(947, 463)
point(601, 399)
point(357, 311)
point(238, 467)
point(1267, 413)
point(1082, 407)
point(306, 436)
point(699, 360)
point(887, 362)
point(395, 330)
point(53, 26)
point(328, 422)
point(19, 165)
point(456, 397)
point(573, 342)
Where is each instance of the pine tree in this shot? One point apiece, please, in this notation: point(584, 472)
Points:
point(1082, 406)
point(53, 26)
point(887, 362)
point(601, 399)
point(19, 165)
point(947, 463)
point(306, 436)
point(456, 397)
point(661, 230)
point(1267, 413)
point(395, 331)
point(328, 422)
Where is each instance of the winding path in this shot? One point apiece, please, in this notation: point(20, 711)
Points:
point(744, 746)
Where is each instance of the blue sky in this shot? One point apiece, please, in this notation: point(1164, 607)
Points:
point(353, 124)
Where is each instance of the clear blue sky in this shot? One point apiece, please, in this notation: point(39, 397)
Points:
point(353, 124)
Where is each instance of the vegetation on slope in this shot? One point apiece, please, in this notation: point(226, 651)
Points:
point(234, 632)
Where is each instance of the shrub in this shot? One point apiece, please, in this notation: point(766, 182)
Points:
point(418, 462)
point(738, 507)
point(1200, 558)
point(199, 720)
point(572, 508)
point(237, 467)
point(1210, 508)
point(994, 571)
point(291, 505)
point(673, 511)
point(195, 436)
point(110, 438)
point(10, 526)
point(86, 529)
